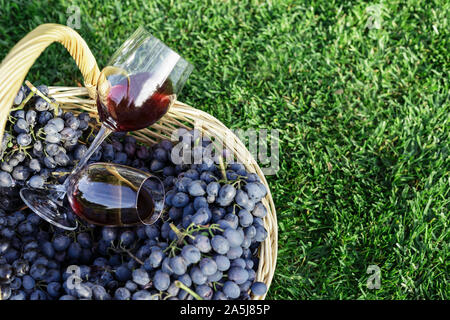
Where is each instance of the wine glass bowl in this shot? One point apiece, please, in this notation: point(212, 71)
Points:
point(115, 195)
point(140, 83)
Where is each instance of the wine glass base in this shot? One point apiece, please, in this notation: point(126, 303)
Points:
point(52, 211)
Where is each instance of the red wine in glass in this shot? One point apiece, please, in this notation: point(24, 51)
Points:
point(115, 195)
point(135, 102)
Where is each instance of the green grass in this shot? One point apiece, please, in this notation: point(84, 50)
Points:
point(363, 116)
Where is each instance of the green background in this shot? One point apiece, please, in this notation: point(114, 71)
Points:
point(361, 101)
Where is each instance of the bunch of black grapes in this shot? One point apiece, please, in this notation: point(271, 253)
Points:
point(205, 246)
point(39, 140)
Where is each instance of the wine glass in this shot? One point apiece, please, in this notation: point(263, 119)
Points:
point(106, 194)
point(136, 89)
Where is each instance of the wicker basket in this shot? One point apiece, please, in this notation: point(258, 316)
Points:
point(15, 67)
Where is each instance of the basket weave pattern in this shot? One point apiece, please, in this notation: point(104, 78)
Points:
point(15, 67)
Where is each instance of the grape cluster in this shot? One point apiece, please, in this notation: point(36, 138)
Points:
point(204, 246)
point(39, 139)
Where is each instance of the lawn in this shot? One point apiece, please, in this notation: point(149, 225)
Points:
point(359, 93)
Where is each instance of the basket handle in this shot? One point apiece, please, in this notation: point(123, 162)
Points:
point(19, 60)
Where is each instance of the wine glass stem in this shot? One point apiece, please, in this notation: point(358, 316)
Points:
point(102, 134)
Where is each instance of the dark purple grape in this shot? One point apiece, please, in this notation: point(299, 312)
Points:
point(58, 123)
point(28, 282)
point(53, 289)
point(140, 277)
point(21, 173)
point(80, 151)
point(156, 165)
point(191, 254)
point(175, 213)
point(43, 89)
point(208, 266)
point(233, 236)
point(142, 153)
point(6, 180)
point(40, 104)
point(192, 174)
point(202, 243)
point(180, 199)
point(178, 265)
point(197, 276)
point(245, 218)
point(166, 144)
point(183, 183)
point(122, 294)
point(52, 149)
point(74, 251)
point(108, 152)
point(130, 149)
point(231, 290)
point(61, 242)
point(260, 210)
point(234, 253)
point(62, 159)
point(84, 116)
point(21, 126)
point(202, 216)
point(219, 295)
point(222, 262)
point(261, 233)
point(204, 291)
point(53, 138)
point(226, 195)
point(213, 189)
point(143, 295)
point(120, 158)
point(109, 234)
point(36, 182)
point(19, 114)
point(238, 275)
point(127, 238)
point(73, 123)
point(256, 191)
point(19, 97)
point(156, 257)
point(220, 244)
point(196, 188)
point(83, 125)
point(123, 273)
point(30, 117)
point(200, 202)
point(49, 162)
point(160, 154)
point(259, 288)
point(44, 117)
point(34, 165)
point(68, 134)
point(5, 166)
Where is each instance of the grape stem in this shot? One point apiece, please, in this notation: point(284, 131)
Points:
point(181, 285)
point(122, 249)
point(35, 90)
point(24, 102)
